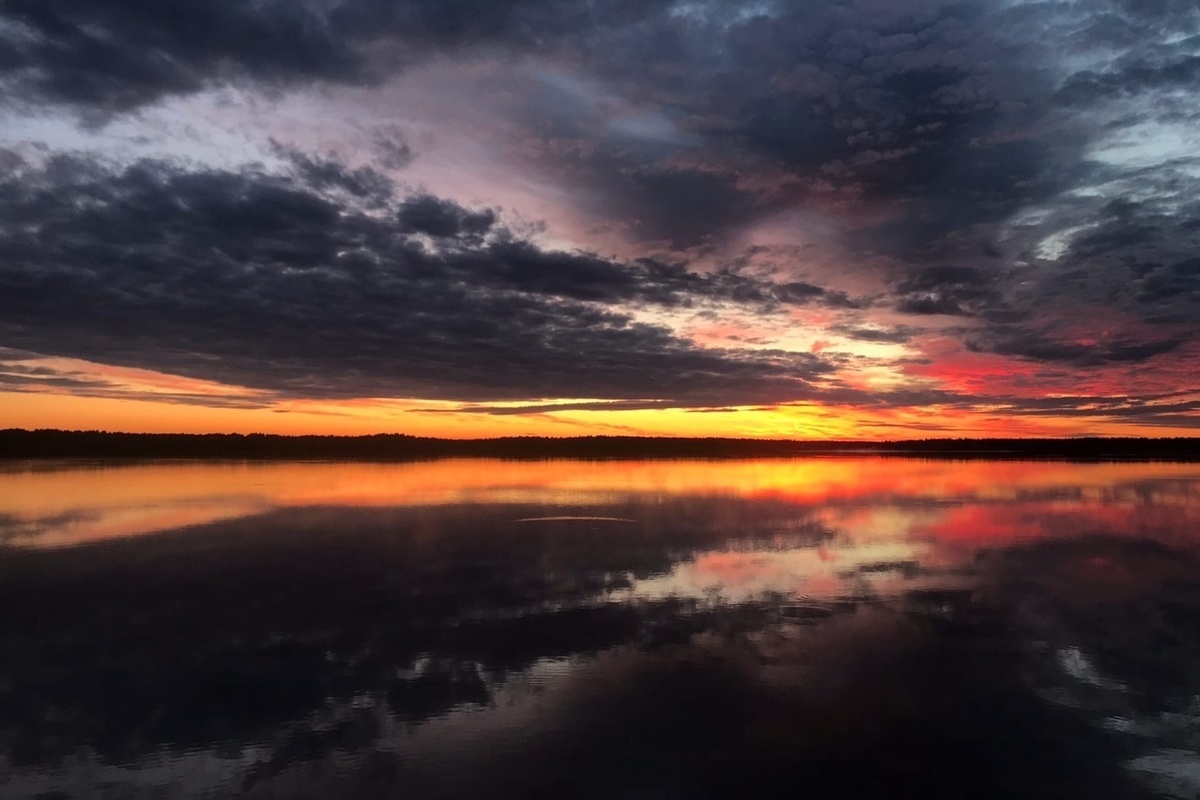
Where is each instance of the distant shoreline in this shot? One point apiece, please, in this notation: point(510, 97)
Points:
point(20, 444)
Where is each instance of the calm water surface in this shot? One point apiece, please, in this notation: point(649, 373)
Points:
point(840, 627)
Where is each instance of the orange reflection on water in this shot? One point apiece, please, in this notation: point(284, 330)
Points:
point(864, 497)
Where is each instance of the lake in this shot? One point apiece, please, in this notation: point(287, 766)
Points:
point(824, 627)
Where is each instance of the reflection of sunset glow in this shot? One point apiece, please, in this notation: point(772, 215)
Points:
point(815, 573)
point(866, 500)
point(987, 524)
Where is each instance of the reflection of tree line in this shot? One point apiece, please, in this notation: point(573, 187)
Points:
point(17, 443)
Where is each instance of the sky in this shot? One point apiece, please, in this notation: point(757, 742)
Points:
point(870, 219)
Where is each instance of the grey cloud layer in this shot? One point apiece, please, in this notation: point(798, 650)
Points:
point(927, 102)
point(950, 113)
point(267, 281)
point(119, 55)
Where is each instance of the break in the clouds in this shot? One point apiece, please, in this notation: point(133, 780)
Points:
point(981, 205)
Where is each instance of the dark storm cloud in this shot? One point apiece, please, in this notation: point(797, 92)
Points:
point(906, 103)
point(1124, 288)
point(944, 107)
point(933, 103)
point(1042, 346)
point(1143, 256)
point(898, 334)
point(948, 289)
point(1133, 260)
point(121, 54)
point(1151, 47)
point(442, 218)
point(680, 207)
point(269, 282)
point(1135, 77)
point(323, 174)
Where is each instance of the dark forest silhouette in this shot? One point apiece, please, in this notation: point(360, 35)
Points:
point(26, 444)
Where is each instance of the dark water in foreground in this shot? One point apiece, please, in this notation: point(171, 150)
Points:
point(811, 628)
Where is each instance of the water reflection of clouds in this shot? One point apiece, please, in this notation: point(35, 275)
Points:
point(82, 525)
point(824, 571)
point(407, 632)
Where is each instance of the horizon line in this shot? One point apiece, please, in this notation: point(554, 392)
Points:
point(604, 437)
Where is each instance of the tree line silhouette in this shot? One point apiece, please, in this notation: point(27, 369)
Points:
point(16, 443)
